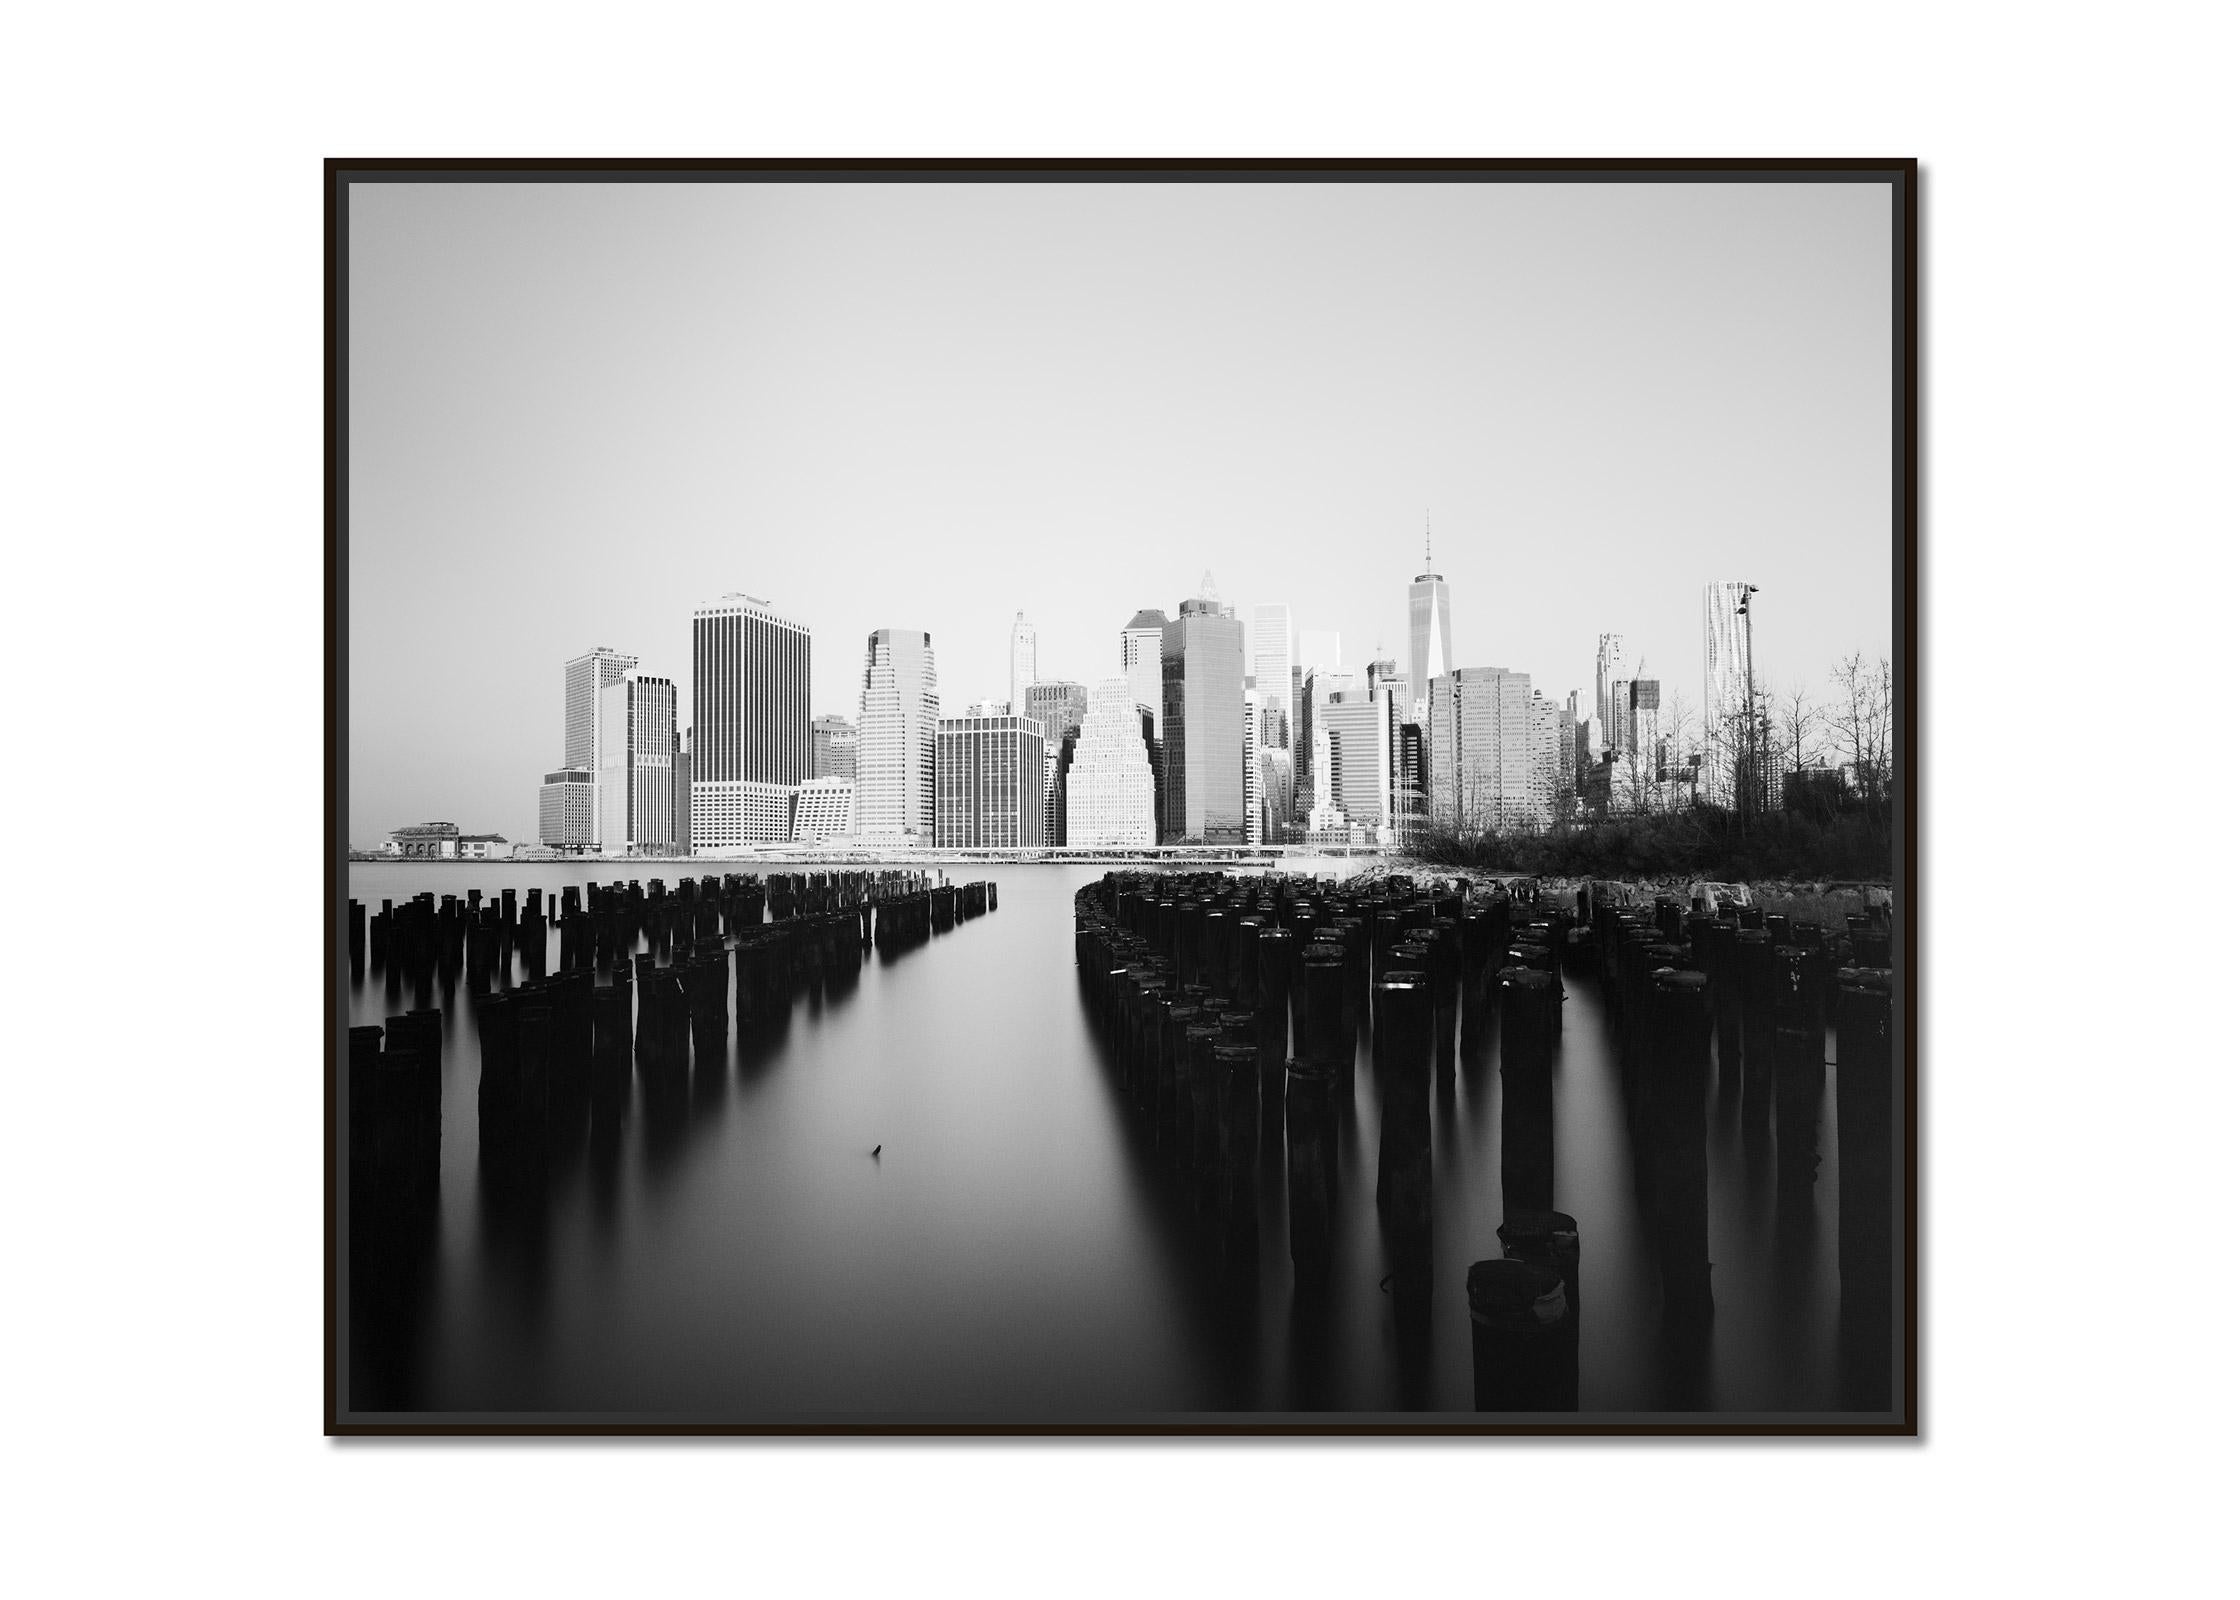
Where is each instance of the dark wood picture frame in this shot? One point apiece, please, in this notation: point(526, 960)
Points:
point(1903, 178)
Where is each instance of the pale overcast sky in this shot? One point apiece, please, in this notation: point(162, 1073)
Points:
point(577, 410)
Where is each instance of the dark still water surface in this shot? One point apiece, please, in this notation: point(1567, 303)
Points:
point(1018, 1251)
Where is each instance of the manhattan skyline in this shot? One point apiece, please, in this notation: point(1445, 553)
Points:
point(579, 411)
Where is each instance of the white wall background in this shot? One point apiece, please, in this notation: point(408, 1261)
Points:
point(161, 379)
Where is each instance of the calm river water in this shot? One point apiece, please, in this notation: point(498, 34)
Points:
point(1017, 1252)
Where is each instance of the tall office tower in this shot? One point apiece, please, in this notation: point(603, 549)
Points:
point(1430, 632)
point(1323, 684)
point(1547, 753)
point(898, 726)
point(1022, 663)
point(1725, 688)
point(587, 675)
point(1155, 752)
point(1617, 723)
point(1482, 752)
point(750, 722)
point(1640, 765)
point(637, 775)
point(680, 828)
point(568, 809)
point(1201, 664)
point(1359, 724)
point(1271, 672)
point(1322, 763)
point(1250, 756)
point(832, 748)
point(1411, 804)
point(1058, 762)
point(1388, 687)
point(1609, 670)
point(1277, 796)
point(1058, 705)
point(1140, 644)
point(989, 784)
point(1566, 751)
point(1109, 783)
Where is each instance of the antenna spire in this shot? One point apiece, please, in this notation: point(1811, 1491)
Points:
point(1427, 538)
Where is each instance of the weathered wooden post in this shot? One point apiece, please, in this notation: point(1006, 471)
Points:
point(1865, 1068)
point(1273, 1010)
point(1521, 1354)
point(1551, 1239)
point(1722, 940)
point(1799, 1066)
point(1238, 1068)
point(1756, 986)
point(1171, 1091)
point(1310, 1158)
point(1528, 1135)
point(1680, 1025)
point(357, 938)
point(1205, 1112)
point(1326, 1037)
point(532, 1077)
point(1403, 1052)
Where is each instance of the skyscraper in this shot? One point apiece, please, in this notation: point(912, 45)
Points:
point(1323, 684)
point(567, 800)
point(1609, 671)
point(1487, 761)
point(1359, 725)
point(1430, 632)
point(832, 748)
point(1058, 705)
point(750, 722)
point(587, 675)
point(637, 773)
point(680, 783)
point(898, 727)
point(1201, 664)
point(1271, 671)
point(1251, 755)
point(1022, 663)
point(1108, 787)
point(989, 784)
point(1140, 644)
point(1725, 691)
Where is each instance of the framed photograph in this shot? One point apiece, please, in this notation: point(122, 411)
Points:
point(1122, 797)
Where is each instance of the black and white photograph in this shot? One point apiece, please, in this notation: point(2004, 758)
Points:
point(1085, 799)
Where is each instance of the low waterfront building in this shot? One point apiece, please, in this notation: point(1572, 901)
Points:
point(484, 847)
point(568, 810)
point(427, 841)
point(824, 809)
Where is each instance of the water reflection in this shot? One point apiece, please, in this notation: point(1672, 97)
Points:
point(699, 1227)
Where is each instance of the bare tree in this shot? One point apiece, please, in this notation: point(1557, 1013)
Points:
point(1861, 724)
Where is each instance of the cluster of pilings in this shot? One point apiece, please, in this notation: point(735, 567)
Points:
point(687, 971)
point(1234, 1009)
